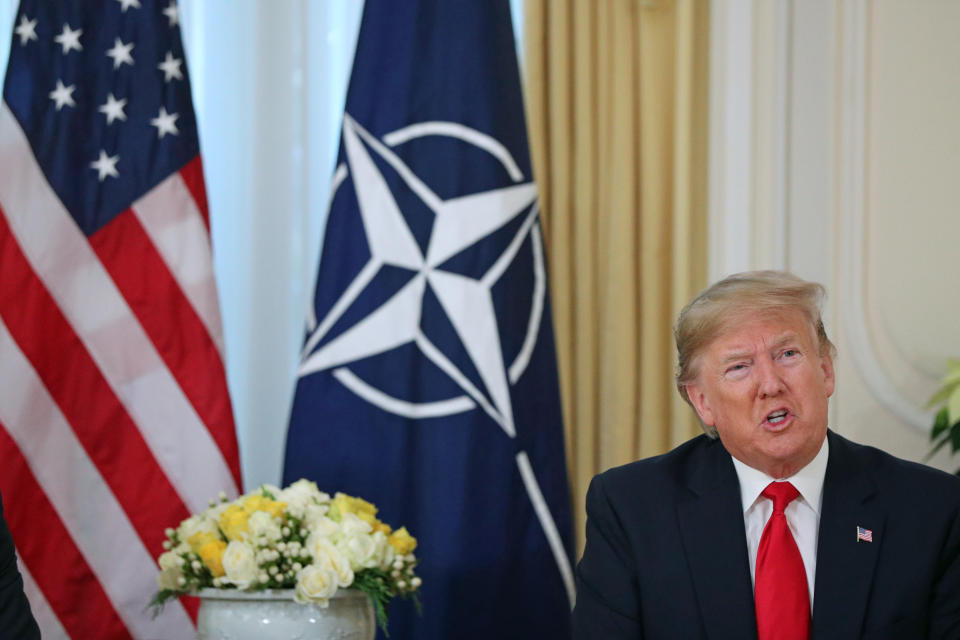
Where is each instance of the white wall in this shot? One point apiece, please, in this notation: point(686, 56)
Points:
point(269, 82)
point(835, 153)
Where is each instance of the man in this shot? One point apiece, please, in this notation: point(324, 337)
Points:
point(769, 525)
point(16, 621)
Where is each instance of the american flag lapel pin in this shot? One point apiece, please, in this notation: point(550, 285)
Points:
point(864, 535)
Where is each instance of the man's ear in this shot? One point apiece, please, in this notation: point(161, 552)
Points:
point(700, 404)
point(826, 364)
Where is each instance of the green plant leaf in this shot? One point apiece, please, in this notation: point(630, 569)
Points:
point(953, 406)
point(940, 424)
point(944, 440)
point(159, 599)
point(416, 602)
point(943, 394)
point(374, 583)
point(955, 438)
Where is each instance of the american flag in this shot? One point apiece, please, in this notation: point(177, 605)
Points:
point(115, 421)
point(866, 535)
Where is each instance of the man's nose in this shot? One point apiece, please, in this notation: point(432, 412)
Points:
point(770, 382)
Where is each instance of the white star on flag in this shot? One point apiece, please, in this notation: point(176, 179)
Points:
point(120, 53)
point(63, 95)
point(105, 165)
point(172, 13)
point(69, 39)
point(467, 301)
point(171, 67)
point(113, 109)
point(165, 123)
point(27, 30)
point(126, 4)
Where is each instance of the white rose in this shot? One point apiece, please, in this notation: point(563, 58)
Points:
point(302, 494)
point(196, 524)
point(170, 571)
point(384, 552)
point(239, 564)
point(317, 522)
point(263, 524)
point(167, 560)
point(316, 584)
point(325, 553)
point(360, 549)
point(352, 525)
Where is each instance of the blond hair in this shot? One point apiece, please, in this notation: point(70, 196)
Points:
point(729, 300)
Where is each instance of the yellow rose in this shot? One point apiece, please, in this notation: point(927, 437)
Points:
point(233, 522)
point(368, 518)
point(259, 502)
point(340, 505)
point(366, 511)
point(275, 508)
point(212, 555)
point(382, 526)
point(361, 506)
point(199, 539)
point(402, 542)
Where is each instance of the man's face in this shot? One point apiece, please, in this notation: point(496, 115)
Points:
point(765, 387)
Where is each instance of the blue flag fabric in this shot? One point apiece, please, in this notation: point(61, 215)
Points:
point(428, 380)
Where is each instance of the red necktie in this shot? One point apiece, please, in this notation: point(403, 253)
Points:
point(780, 591)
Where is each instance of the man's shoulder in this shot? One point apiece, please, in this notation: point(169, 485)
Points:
point(891, 473)
point(670, 469)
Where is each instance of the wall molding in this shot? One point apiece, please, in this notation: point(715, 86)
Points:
point(750, 118)
point(852, 169)
point(730, 189)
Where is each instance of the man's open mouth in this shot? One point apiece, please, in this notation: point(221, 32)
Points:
point(777, 416)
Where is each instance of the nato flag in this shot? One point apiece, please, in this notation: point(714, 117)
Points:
point(428, 380)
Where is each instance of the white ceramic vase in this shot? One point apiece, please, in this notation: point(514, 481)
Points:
point(228, 614)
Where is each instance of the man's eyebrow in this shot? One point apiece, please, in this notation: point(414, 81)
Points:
point(784, 339)
point(740, 354)
point(736, 355)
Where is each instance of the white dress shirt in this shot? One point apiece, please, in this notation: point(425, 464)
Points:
point(803, 514)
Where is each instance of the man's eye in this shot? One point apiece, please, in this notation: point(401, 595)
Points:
point(789, 353)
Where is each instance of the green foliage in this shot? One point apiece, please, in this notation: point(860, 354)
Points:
point(376, 584)
point(946, 423)
point(159, 599)
point(380, 588)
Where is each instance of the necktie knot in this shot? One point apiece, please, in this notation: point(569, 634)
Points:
point(782, 494)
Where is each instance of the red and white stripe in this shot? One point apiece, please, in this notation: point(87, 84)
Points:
point(115, 420)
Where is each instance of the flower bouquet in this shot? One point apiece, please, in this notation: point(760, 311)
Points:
point(296, 538)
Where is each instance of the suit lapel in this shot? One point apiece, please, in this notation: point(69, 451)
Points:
point(845, 565)
point(711, 525)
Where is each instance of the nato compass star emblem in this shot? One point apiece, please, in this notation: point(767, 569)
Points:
point(466, 300)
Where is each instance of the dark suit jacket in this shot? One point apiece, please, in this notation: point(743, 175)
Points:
point(666, 552)
point(16, 621)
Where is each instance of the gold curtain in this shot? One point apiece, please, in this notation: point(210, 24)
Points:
point(617, 100)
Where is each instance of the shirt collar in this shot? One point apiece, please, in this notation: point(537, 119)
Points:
point(808, 481)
